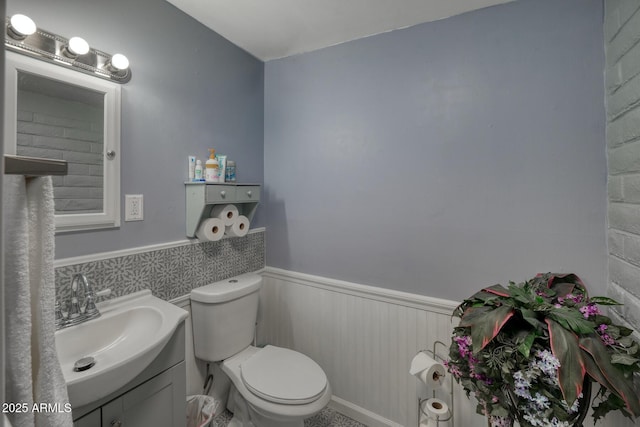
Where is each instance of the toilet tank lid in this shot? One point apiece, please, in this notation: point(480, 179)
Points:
point(228, 289)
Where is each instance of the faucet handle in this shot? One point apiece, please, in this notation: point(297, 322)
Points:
point(60, 319)
point(103, 293)
point(90, 305)
point(90, 308)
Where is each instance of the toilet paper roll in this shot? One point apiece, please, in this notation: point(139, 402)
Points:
point(239, 228)
point(427, 370)
point(435, 408)
point(227, 213)
point(210, 230)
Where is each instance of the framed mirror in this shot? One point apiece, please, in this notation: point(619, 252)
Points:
point(57, 113)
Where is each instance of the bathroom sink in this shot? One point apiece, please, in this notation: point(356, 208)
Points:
point(123, 341)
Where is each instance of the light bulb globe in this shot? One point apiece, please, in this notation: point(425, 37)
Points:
point(119, 62)
point(78, 46)
point(22, 25)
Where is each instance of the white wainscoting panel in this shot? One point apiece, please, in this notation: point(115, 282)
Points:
point(364, 338)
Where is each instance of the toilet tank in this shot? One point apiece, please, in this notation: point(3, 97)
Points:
point(223, 315)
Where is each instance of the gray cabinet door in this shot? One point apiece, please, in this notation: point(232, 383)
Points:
point(92, 419)
point(159, 402)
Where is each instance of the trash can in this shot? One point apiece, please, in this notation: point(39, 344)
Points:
point(201, 410)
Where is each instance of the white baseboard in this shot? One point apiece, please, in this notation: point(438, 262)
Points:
point(359, 414)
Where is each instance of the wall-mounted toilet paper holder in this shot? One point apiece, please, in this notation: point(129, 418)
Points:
point(428, 407)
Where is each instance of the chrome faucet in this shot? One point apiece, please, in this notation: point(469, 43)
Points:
point(75, 314)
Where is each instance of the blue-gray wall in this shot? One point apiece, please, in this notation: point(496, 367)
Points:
point(443, 157)
point(191, 90)
point(435, 159)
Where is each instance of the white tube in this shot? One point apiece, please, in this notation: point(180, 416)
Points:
point(192, 167)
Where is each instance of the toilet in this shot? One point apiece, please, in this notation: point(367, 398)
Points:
point(271, 386)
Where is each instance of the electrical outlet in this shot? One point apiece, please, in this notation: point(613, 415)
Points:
point(134, 207)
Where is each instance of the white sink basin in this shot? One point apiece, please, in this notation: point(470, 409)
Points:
point(124, 340)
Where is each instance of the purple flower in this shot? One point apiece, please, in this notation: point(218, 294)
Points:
point(574, 298)
point(606, 338)
point(464, 342)
point(589, 310)
point(455, 371)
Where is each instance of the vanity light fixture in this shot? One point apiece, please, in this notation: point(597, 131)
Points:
point(20, 26)
point(77, 46)
point(22, 36)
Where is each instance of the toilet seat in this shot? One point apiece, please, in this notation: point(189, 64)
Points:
point(283, 376)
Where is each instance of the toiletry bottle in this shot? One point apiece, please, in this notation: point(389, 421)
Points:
point(222, 164)
point(198, 171)
point(211, 167)
point(230, 171)
point(192, 167)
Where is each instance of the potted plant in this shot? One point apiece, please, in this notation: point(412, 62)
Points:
point(531, 351)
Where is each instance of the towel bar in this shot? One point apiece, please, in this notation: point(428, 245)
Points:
point(33, 166)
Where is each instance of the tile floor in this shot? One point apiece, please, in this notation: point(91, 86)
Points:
point(326, 418)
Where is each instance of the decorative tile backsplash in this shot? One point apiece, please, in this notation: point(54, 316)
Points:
point(169, 273)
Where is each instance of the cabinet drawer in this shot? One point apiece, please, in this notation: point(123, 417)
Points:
point(248, 193)
point(220, 193)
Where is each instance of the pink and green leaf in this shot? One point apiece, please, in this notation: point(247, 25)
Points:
point(561, 280)
point(472, 315)
point(594, 372)
point(564, 345)
point(499, 290)
point(485, 323)
point(616, 382)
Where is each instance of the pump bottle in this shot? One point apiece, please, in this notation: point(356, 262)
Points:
point(211, 167)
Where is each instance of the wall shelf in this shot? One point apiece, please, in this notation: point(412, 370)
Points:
point(201, 197)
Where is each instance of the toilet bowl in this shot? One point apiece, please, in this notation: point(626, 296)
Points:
point(275, 387)
point(271, 386)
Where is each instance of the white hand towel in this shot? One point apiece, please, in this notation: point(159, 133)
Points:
point(33, 371)
point(48, 381)
point(17, 300)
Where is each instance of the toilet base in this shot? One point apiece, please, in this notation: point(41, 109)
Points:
point(244, 415)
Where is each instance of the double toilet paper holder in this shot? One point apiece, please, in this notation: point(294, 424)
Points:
point(427, 368)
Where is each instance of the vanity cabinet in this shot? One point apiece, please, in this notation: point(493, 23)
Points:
point(155, 398)
point(201, 197)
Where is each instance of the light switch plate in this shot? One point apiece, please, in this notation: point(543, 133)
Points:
point(133, 207)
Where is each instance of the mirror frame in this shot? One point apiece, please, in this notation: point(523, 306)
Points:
point(110, 216)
